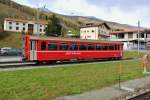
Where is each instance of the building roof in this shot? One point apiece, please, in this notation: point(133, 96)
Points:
point(26, 21)
point(95, 25)
point(130, 31)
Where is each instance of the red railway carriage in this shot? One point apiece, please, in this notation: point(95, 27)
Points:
point(44, 49)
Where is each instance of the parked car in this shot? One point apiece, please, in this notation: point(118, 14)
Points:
point(5, 50)
point(11, 51)
point(0, 51)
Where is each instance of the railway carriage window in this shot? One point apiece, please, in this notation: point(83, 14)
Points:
point(98, 47)
point(83, 47)
point(105, 47)
point(43, 46)
point(73, 46)
point(110, 47)
point(119, 47)
point(102, 47)
point(63, 46)
point(52, 46)
point(116, 47)
point(90, 47)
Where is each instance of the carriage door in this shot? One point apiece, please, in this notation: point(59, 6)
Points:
point(33, 49)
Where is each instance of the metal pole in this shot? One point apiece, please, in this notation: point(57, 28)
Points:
point(120, 71)
point(145, 41)
point(37, 18)
point(138, 37)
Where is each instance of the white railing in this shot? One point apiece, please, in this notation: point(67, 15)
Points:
point(118, 39)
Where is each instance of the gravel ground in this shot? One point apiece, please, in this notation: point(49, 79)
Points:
point(113, 92)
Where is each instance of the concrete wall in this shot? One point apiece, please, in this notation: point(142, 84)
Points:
point(94, 33)
point(128, 42)
point(89, 33)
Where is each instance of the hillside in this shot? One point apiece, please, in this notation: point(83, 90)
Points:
point(15, 10)
point(10, 40)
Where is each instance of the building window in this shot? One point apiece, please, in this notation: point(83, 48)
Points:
point(24, 29)
point(121, 36)
point(40, 25)
point(40, 30)
point(137, 35)
point(146, 35)
point(10, 22)
point(130, 35)
point(24, 24)
point(142, 35)
point(17, 28)
point(10, 27)
point(92, 30)
point(17, 23)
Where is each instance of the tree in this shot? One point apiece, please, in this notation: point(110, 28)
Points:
point(54, 27)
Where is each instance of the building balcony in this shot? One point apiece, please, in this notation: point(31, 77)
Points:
point(133, 39)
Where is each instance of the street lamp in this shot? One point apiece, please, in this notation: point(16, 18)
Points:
point(138, 37)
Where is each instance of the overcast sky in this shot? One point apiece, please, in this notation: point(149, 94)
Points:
point(122, 11)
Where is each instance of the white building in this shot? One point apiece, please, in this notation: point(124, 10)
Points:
point(28, 26)
point(95, 32)
point(130, 38)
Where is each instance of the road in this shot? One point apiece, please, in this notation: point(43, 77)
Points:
point(10, 58)
point(112, 92)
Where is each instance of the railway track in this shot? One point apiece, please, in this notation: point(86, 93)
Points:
point(16, 64)
point(142, 96)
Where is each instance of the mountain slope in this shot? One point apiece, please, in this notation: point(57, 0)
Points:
point(15, 10)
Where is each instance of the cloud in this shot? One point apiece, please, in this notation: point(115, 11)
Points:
point(24, 2)
point(127, 17)
point(121, 11)
point(123, 4)
point(76, 6)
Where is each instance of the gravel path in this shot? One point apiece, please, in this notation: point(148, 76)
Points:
point(111, 93)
